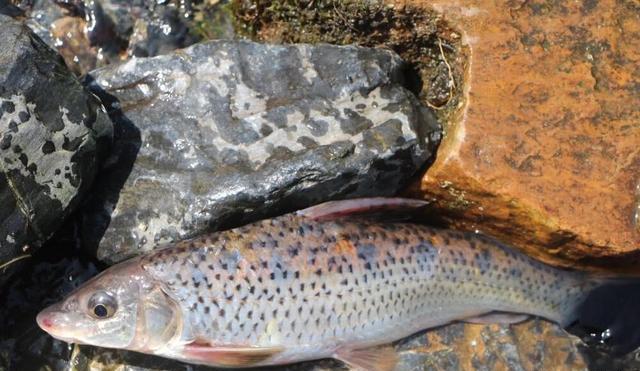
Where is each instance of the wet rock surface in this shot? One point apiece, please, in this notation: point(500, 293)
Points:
point(544, 152)
point(53, 134)
point(90, 34)
point(235, 131)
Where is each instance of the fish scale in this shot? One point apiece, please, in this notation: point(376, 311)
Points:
point(296, 284)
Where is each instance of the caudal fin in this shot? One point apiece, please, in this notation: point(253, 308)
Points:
point(608, 316)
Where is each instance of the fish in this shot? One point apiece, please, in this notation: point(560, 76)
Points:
point(324, 282)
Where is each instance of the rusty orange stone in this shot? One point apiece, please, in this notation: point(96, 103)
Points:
point(545, 151)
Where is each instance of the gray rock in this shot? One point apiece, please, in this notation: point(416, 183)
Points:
point(52, 135)
point(223, 133)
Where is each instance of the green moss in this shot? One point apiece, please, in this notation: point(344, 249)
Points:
point(212, 20)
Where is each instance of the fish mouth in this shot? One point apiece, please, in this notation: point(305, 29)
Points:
point(52, 321)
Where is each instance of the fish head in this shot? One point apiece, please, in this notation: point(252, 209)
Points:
point(123, 307)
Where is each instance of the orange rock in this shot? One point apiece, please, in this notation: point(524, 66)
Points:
point(545, 151)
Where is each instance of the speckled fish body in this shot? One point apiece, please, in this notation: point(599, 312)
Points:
point(300, 288)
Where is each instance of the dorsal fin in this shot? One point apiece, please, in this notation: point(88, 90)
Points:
point(338, 209)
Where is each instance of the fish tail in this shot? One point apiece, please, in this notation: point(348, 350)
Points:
point(599, 291)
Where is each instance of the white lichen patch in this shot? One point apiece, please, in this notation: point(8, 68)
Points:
point(38, 152)
point(246, 102)
point(308, 69)
point(213, 70)
point(375, 108)
point(149, 230)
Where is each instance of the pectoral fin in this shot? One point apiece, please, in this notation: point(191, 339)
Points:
point(229, 356)
point(338, 209)
point(369, 359)
point(498, 317)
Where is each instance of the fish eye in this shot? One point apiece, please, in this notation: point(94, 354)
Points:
point(102, 305)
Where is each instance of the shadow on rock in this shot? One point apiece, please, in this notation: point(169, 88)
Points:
point(111, 179)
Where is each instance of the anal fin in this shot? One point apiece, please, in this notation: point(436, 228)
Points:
point(498, 317)
point(228, 356)
point(369, 359)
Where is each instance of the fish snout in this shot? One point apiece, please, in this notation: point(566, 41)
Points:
point(54, 322)
point(49, 318)
point(44, 320)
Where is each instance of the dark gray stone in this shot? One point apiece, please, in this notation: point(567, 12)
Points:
point(7, 8)
point(223, 132)
point(52, 135)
